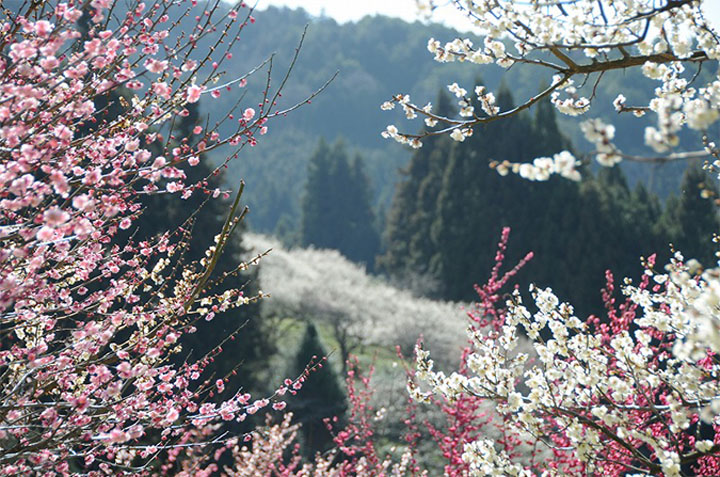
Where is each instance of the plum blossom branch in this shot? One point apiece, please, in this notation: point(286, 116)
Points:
point(576, 39)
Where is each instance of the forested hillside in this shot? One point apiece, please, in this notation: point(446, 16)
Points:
point(377, 57)
point(450, 207)
point(436, 207)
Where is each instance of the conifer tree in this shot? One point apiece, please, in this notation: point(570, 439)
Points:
point(409, 220)
point(471, 203)
point(548, 139)
point(693, 219)
point(614, 231)
point(321, 396)
point(363, 241)
point(649, 210)
point(474, 205)
point(450, 235)
point(337, 212)
point(317, 220)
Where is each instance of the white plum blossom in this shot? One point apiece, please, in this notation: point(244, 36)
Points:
point(430, 121)
point(466, 109)
point(484, 459)
point(460, 134)
point(562, 163)
point(619, 102)
point(571, 106)
point(699, 114)
point(487, 101)
point(324, 286)
point(606, 374)
point(457, 90)
point(601, 134)
point(579, 41)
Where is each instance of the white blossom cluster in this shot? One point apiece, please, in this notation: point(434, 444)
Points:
point(492, 51)
point(487, 101)
point(562, 163)
point(484, 459)
point(325, 287)
point(573, 104)
point(695, 318)
point(583, 39)
point(577, 374)
point(410, 113)
point(601, 135)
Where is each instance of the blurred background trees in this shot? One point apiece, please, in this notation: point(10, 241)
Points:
point(336, 208)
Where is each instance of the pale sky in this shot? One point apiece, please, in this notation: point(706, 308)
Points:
point(352, 10)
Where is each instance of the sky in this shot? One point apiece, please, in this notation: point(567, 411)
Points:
point(352, 10)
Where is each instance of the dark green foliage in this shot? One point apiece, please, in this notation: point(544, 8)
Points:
point(336, 210)
point(316, 222)
point(363, 239)
point(448, 261)
point(693, 220)
point(320, 398)
point(410, 217)
point(475, 203)
point(547, 135)
point(576, 230)
point(377, 57)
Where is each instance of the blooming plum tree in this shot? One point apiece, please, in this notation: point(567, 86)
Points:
point(90, 318)
point(635, 392)
point(359, 309)
point(359, 451)
point(356, 453)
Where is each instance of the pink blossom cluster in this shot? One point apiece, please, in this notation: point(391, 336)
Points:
point(89, 318)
